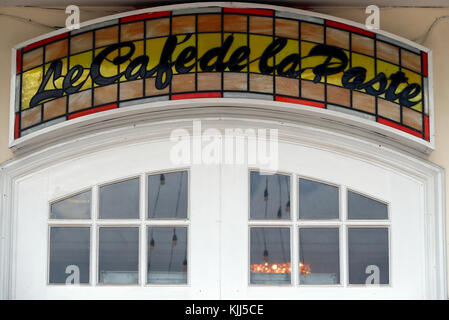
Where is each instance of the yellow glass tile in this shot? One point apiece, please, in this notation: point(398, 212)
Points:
point(292, 47)
point(137, 52)
point(154, 49)
point(107, 68)
point(31, 81)
point(206, 42)
point(310, 62)
point(413, 78)
point(388, 69)
point(239, 41)
point(85, 60)
point(258, 44)
point(360, 60)
point(59, 81)
point(335, 79)
point(182, 44)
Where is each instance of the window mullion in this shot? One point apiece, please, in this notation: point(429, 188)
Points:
point(94, 238)
point(343, 236)
point(143, 230)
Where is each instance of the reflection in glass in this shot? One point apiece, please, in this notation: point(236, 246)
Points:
point(167, 255)
point(270, 256)
point(75, 207)
point(317, 200)
point(69, 246)
point(368, 247)
point(319, 256)
point(360, 207)
point(270, 196)
point(118, 255)
point(167, 195)
point(120, 200)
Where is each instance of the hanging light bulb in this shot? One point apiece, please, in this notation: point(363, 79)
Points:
point(279, 212)
point(265, 195)
point(151, 244)
point(184, 264)
point(174, 240)
point(162, 179)
point(265, 255)
point(287, 206)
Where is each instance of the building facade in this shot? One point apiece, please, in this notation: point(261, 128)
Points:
point(226, 150)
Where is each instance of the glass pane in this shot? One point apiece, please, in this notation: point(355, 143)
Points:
point(167, 255)
point(270, 256)
point(319, 256)
point(368, 255)
point(167, 195)
point(120, 200)
point(269, 196)
point(118, 255)
point(360, 207)
point(69, 254)
point(75, 207)
point(317, 200)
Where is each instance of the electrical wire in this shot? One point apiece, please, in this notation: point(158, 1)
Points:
point(426, 35)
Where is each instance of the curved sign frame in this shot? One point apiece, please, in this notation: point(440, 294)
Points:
point(224, 52)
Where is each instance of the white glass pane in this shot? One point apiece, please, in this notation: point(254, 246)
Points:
point(167, 255)
point(319, 256)
point(317, 200)
point(75, 207)
point(167, 195)
point(269, 196)
point(361, 207)
point(69, 252)
point(118, 255)
point(120, 200)
point(270, 256)
point(368, 255)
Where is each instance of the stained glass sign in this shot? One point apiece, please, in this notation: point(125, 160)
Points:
point(220, 52)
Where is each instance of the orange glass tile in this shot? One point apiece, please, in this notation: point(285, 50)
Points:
point(412, 118)
point(312, 32)
point(387, 52)
point(209, 81)
point(287, 86)
point(80, 100)
point(183, 24)
point(260, 25)
point(364, 102)
point(55, 108)
point(234, 23)
point(310, 90)
point(209, 22)
point(151, 90)
point(183, 83)
point(287, 28)
point(338, 95)
point(362, 44)
point(131, 31)
point(33, 58)
point(81, 42)
point(235, 81)
point(411, 60)
point(106, 36)
point(388, 110)
point(337, 37)
point(105, 94)
point(31, 117)
point(158, 27)
point(260, 83)
point(56, 50)
point(131, 89)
